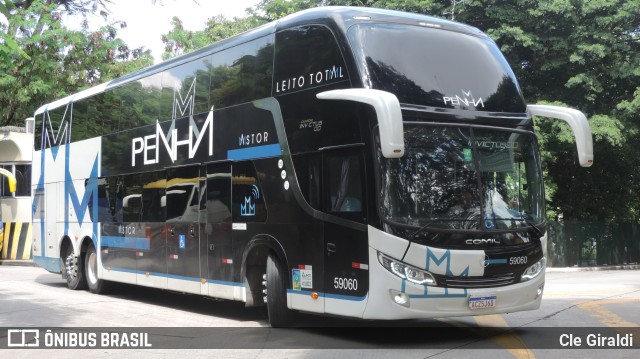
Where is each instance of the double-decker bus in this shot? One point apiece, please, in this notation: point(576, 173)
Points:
point(346, 161)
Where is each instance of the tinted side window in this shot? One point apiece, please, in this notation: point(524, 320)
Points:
point(139, 103)
point(219, 193)
point(96, 116)
point(143, 199)
point(110, 197)
point(247, 196)
point(309, 173)
point(307, 57)
point(182, 194)
point(242, 73)
point(185, 90)
point(344, 184)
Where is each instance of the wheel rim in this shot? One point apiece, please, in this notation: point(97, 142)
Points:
point(71, 264)
point(92, 268)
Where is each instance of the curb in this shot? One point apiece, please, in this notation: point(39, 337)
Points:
point(17, 263)
point(591, 269)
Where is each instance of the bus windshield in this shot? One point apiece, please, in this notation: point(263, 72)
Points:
point(462, 178)
point(440, 68)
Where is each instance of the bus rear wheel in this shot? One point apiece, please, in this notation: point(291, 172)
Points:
point(276, 298)
point(95, 284)
point(73, 269)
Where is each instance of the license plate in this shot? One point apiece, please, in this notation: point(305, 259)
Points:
point(487, 301)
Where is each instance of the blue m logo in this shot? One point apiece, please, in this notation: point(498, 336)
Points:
point(248, 208)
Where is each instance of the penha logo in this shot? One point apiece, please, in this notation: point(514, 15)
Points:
point(466, 100)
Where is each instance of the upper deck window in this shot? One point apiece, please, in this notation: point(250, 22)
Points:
point(436, 68)
point(306, 57)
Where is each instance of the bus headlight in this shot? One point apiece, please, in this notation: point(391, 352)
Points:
point(534, 270)
point(405, 271)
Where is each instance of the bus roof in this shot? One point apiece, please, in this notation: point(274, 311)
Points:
point(335, 17)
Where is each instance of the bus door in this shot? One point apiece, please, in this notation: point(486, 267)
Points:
point(346, 250)
point(217, 227)
point(182, 230)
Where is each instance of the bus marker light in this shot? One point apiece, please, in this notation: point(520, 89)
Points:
point(314, 295)
point(147, 274)
point(428, 24)
point(203, 281)
point(357, 265)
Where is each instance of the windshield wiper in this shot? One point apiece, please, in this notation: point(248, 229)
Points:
point(411, 236)
point(531, 225)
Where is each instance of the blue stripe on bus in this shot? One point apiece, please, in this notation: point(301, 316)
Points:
point(496, 261)
point(126, 242)
point(52, 264)
point(175, 276)
point(254, 152)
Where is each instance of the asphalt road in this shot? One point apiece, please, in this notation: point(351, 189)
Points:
point(578, 307)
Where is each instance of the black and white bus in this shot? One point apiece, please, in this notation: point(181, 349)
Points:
point(347, 161)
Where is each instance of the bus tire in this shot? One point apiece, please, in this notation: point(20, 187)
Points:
point(279, 314)
point(73, 269)
point(95, 284)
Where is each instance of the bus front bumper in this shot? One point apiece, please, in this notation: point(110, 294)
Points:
point(391, 297)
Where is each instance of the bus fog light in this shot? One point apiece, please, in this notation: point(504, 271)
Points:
point(405, 271)
point(534, 270)
point(399, 298)
point(540, 290)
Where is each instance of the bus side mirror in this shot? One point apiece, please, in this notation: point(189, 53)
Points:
point(388, 112)
point(578, 123)
point(11, 179)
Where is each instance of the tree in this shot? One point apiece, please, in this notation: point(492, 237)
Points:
point(181, 41)
point(58, 61)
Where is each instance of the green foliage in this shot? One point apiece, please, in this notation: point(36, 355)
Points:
point(180, 41)
point(57, 61)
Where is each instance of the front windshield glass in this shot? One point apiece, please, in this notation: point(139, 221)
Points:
point(439, 68)
point(462, 178)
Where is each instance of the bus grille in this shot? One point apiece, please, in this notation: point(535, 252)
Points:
point(498, 280)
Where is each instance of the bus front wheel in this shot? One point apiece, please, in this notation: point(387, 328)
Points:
point(276, 278)
point(73, 270)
